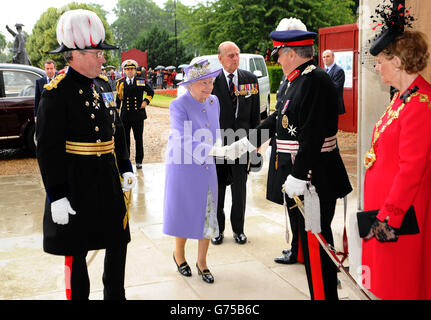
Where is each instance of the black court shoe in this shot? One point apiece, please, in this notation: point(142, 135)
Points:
point(206, 275)
point(184, 268)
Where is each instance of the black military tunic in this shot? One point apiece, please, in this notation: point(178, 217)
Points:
point(72, 110)
point(130, 98)
point(306, 114)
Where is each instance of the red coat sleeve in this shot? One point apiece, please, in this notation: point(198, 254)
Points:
point(414, 157)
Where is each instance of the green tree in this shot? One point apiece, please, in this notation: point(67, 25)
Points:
point(134, 16)
point(160, 47)
point(248, 22)
point(44, 38)
point(3, 45)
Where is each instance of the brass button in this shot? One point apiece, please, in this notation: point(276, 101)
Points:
point(99, 154)
point(208, 125)
point(96, 129)
point(206, 167)
point(87, 104)
point(80, 91)
point(111, 112)
point(204, 111)
point(93, 116)
point(99, 141)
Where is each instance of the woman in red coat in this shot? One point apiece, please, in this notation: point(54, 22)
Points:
point(398, 174)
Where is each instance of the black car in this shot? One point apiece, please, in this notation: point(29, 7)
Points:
point(17, 87)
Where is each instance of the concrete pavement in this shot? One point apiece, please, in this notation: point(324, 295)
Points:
point(244, 272)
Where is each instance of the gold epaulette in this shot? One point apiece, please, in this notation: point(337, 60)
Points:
point(54, 82)
point(103, 77)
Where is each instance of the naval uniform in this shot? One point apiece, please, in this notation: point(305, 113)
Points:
point(130, 97)
point(81, 151)
point(305, 127)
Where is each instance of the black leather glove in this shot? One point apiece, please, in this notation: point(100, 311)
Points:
point(382, 231)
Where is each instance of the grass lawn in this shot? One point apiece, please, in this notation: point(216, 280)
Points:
point(163, 101)
point(273, 102)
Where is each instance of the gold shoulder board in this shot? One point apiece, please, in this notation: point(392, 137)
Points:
point(54, 82)
point(101, 76)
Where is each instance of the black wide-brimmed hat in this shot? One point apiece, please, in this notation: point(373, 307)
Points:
point(80, 30)
point(393, 19)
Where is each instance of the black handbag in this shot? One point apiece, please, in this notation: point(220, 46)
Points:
point(408, 226)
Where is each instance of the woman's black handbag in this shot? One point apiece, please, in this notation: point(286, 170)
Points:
point(408, 226)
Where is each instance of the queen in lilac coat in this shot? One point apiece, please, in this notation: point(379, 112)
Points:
point(191, 179)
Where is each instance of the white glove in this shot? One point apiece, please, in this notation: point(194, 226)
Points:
point(218, 150)
point(238, 148)
point(60, 210)
point(294, 186)
point(129, 181)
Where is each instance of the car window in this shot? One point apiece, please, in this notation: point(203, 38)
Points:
point(260, 65)
point(252, 66)
point(19, 83)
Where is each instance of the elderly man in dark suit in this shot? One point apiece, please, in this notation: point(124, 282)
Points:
point(50, 70)
point(337, 75)
point(238, 94)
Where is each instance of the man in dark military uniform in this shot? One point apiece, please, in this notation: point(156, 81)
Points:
point(306, 158)
point(289, 256)
point(130, 97)
point(83, 160)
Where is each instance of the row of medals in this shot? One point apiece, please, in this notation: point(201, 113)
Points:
point(246, 89)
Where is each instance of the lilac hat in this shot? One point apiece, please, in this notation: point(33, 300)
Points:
point(199, 70)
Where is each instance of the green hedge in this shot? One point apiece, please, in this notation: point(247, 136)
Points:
point(275, 73)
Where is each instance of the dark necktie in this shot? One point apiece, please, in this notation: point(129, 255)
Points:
point(232, 90)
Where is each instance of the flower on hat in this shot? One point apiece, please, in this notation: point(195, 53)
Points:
point(197, 70)
point(291, 24)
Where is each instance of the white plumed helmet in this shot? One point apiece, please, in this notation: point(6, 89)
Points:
point(80, 29)
point(291, 24)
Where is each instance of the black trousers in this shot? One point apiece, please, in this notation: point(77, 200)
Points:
point(78, 282)
point(138, 133)
point(239, 195)
point(321, 271)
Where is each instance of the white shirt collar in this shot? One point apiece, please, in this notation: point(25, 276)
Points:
point(235, 73)
point(330, 67)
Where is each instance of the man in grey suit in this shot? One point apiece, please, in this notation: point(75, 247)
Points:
point(337, 75)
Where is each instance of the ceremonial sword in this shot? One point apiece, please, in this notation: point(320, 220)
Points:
point(331, 253)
